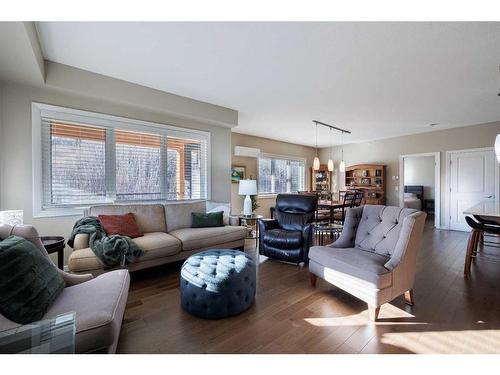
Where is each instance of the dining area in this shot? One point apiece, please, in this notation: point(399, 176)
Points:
point(483, 219)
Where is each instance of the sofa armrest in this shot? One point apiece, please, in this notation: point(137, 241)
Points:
point(409, 241)
point(351, 222)
point(81, 241)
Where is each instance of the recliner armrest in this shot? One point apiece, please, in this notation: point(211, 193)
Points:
point(267, 224)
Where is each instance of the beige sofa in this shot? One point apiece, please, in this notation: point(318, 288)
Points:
point(168, 236)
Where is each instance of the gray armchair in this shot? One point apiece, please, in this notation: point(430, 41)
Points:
point(99, 303)
point(375, 257)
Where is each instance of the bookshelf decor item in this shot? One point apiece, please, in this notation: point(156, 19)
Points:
point(369, 179)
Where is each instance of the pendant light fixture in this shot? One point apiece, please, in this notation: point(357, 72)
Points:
point(342, 162)
point(316, 158)
point(330, 160)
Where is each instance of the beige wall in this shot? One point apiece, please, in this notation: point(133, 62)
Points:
point(266, 146)
point(419, 170)
point(16, 141)
point(387, 151)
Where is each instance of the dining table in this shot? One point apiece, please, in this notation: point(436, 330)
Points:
point(488, 209)
point(332, 205)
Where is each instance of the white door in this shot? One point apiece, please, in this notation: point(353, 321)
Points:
point(472, 180)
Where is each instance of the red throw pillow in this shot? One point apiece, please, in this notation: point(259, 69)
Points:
point(124, 225)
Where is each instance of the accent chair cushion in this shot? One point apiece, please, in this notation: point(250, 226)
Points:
point(29, 282)
point(379, 228)
point(123, 225)
point(283, 239)
point(365, 265)
point(211, 219)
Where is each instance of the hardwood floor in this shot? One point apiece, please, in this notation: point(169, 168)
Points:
point(451, 314)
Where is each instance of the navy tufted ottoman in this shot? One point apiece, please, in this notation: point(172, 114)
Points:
point(217, 283)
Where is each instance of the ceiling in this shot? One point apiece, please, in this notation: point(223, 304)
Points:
point(378, 80)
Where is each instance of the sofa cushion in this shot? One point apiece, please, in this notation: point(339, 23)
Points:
point(362, 264)
point(123, 225)
point(179, 214)
point(99, 305)
point(283, 239)
point(198, 238)
point(149, 217)
point(154, 245)
point(379, 228)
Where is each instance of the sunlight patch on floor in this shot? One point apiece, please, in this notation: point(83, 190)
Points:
point(361, 319)
point(446, 342)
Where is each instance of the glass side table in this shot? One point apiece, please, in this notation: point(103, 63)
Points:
point(329, 229)
point(49, 336)
point(250, 221)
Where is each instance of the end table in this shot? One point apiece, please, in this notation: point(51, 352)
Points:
point(247, 219)
point(55, 244)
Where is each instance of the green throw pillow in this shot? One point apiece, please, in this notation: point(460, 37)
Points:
point(213, 219)
point(29, 282)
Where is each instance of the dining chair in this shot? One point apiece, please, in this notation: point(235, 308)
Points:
point(479, 229)
point(347, 202)
point(358, 199)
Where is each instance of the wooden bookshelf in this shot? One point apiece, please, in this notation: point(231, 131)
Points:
point(369, 179)
point(321, 180)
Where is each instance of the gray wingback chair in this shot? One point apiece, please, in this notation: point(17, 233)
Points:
point(375, 257)
point(99, 303)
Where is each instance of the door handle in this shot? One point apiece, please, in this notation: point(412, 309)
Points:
point(489, 196)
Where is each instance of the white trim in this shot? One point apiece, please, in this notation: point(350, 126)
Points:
point(448, 179)
point(39, 110)
point(437, 183)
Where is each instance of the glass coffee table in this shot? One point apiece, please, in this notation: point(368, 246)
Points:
point(327, 229)
point(49, 336)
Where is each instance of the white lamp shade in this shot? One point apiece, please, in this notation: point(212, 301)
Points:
point(342, 166)
point(247, 187)
point(497, 147)
point(12, 217)
point(316, 163)
point(330, 165)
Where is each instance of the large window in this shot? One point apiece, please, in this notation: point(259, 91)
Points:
point(88, 159)
point(280, 175)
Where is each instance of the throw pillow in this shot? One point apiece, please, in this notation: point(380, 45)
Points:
point(29, 282)
point(124, 225)
point(213, 219)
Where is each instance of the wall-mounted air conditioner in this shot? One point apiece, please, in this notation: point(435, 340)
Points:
point(248, 152)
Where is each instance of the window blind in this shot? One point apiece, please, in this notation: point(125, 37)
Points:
point(138, 166)
point(74, 163)
point(187, 168)
point(86, 163)
point(280, 175)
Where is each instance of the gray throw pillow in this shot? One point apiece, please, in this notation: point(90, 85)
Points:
point(29, 282)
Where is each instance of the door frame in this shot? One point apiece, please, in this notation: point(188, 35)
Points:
point(448, 179)
point(437, 182)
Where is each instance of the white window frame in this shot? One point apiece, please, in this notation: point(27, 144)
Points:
point(282, 157)
point(39, 110)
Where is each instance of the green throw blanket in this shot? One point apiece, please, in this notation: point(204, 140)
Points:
point(112, 250)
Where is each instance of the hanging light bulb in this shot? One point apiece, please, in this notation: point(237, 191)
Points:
point(330, 161)
point(316, 159)
point(342, 162)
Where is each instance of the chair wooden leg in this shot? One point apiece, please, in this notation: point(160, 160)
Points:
point(409, 297)
point(373, 312)
point(470, 251)
point(313, 278)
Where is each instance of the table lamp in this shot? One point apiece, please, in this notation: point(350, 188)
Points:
point(247, 187)
point(12, 217)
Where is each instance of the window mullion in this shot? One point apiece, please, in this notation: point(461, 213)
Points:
point(164, 168)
